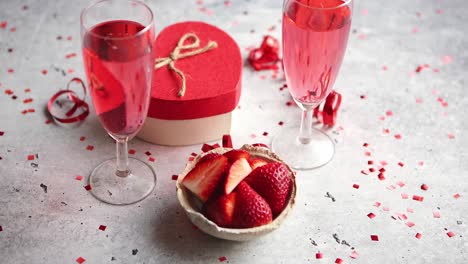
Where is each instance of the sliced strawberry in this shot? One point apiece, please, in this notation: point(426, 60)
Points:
point(220, 209)
point(257, 162)
point(251, 209)
point(206, 176)
point(236, 154)
point(238, 171)
point(209, 156)
point(272, 181)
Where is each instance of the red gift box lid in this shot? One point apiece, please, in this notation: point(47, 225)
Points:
point(213, 78)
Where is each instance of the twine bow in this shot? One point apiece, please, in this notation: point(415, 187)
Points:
point(177, 54)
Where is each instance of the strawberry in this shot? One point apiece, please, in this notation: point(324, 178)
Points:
point(209, 156)
point(206, 176)
point(251, 209)
point(256, 162)
point(238, 171)
point(236, 154)
point(220, 209)
point(272, 181)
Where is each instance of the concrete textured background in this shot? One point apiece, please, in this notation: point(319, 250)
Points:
point(390, 40)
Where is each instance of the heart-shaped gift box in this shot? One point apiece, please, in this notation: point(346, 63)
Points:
point(212, 92)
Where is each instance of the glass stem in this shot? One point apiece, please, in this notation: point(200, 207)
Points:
point(305, 132)
point(122, 158)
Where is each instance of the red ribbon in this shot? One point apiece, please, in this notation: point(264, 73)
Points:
point(78, 104)
point(265, 57)
point(330, 109)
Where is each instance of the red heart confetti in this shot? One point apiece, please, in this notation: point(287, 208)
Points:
point(456, 196)
point(450, 234)
point(371, 215)
point(410, 224)
point(78, 177)
point(374, 238)
point(102, 227)
point(418, 235)
point(44, 72)
point(88, 187)
point(80, 260)
point(424, 187)
point(31, 157)
point(222, 259)
point(90, 147)
point(436, 214)
point(2, 133)
point(418, 198)
point(131, 151)
point(356, 186)
point(319, 255)
point(338, 261)
point(147, 153)
point(175, 177)
point(82, 138)
point(151, 159)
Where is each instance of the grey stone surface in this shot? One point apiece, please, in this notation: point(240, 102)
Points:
point(61, 225)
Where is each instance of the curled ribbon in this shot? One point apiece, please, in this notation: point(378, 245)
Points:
point(79, 103)
point(177, 54)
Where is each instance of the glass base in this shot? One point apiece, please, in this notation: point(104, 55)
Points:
point(107, 187)
point(300, 156)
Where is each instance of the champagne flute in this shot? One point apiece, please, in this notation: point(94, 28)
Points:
point(117, 45)
point(315, 35)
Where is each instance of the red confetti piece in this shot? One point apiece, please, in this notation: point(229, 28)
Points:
point(450, 234)
point(31, 110)
point(78, 177)
point(364, 172)
point(409, 210)
point(191, 159)
point(363, 97)
point(44, 72)
point(193, 154)
point(404, 196)
point(80, 260)
point(370, 162)
point(365, 145)
point(389, 113)
point(401, 164)
point(319, 255)
point(397, 136)
point(11, 70)
point(265, 134)
point(386, 131)
point(147, 153)
point(371, 215)
point(450, 135)
point(280, 123)
point(13, 29)
point(227, 141)
point(2, 133)
point(131, 151)
point(401, 184)
point(410, 224)
point(356, 186)
point(31, 157)
point(377, 204)
point(424, 187)
point(418, 198)
point(381, 176)
point(421, 163)
point(175, 177)
point(1, 228)
point(82, 138)
point(385, 208)
point(436, 214)
point(3, 24)
point(338, 261)
point(222, 259)
point(456, 196)
point(384, 68)
point(371, 169)
point(374, 237)
point(391, 187)
point(88, 187)
point(8, 91)
point(90, 147)
point(151, 159)
point(418, 235)
point(102, 227)
point(368, 153)
point(206, 147)
point(70, 55)
point(27, 101)
point(354, 254)
point(69, 38)
point(447, 59)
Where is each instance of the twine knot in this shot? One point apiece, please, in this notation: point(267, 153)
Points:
point(177, 54)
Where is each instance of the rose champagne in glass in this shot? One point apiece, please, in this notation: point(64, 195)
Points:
point(315, 35)
point(117, 42)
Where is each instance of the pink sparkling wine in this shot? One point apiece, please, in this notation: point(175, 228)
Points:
point(118, 61)
point(315, 34)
